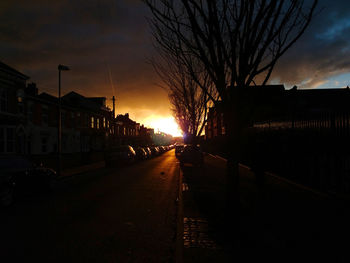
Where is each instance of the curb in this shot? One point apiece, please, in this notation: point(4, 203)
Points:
point(70, 173)
point(221, 158)
point(305, 188)
point(179, 227)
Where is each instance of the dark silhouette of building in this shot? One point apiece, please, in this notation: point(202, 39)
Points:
point(272, 107)
point(12, 132)
point(303, 135)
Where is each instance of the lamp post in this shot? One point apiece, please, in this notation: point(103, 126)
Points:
point(59, 130)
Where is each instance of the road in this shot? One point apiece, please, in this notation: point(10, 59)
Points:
point(113, 215)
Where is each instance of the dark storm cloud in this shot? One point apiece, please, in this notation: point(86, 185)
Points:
point(106, 43)
point(322, 52)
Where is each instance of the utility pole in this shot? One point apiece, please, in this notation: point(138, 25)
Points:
point(113, 99)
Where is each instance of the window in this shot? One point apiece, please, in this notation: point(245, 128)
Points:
point(7, 139)
point(86, 120)
point(10, 140)
point(79, 121)
point(107, 124)
point(3, 100)
point(97, 123)
point(92, 122)
point(72, 119)
point(30, 112)
point(44, 145)
point(45, 115)
point(104, 122)
point(223, 131)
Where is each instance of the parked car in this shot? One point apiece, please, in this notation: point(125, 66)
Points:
point(178, 150)
point(191, 154)
point(148, 151)
point(124, 154)
point(20, 176)
point(155, 151)
point(162, 149)
point(140, 153)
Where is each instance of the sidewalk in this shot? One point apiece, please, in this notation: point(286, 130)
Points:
point(82, 169)
point(203, 216)
point(279, 222)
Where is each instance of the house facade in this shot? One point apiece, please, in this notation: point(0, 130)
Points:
point(12, 118)
point(29, 123)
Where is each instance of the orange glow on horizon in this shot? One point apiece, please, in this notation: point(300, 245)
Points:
point(163, 124)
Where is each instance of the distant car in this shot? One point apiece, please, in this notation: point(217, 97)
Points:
point(155, 150)
point(140, 153)
point(20, 176)
point(178, 150)
point(124, 154)
point(191, 154)
point(162, 149)
point(148, 151)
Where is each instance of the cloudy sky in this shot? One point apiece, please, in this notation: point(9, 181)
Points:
point(106, 43)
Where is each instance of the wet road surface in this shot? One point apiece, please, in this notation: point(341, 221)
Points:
point(112, 215)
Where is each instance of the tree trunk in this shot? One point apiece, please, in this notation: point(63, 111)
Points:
point(233, 136)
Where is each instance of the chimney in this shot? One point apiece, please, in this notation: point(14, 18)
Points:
point(32, 89)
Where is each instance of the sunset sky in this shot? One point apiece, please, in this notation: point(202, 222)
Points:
point(106, 43)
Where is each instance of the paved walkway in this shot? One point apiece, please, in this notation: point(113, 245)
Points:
point(279, 221)
point(82, 169)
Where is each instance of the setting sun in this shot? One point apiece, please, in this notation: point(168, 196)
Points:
point(163, 124)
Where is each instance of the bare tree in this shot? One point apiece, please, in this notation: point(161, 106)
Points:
point(237, 43)
point(189, 102)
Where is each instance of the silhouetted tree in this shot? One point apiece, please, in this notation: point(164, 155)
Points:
point(189, 102)
point(237, 43)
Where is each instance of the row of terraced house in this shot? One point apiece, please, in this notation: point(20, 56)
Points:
point(29, 121)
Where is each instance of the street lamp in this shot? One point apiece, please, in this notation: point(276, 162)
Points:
point(59, 130)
